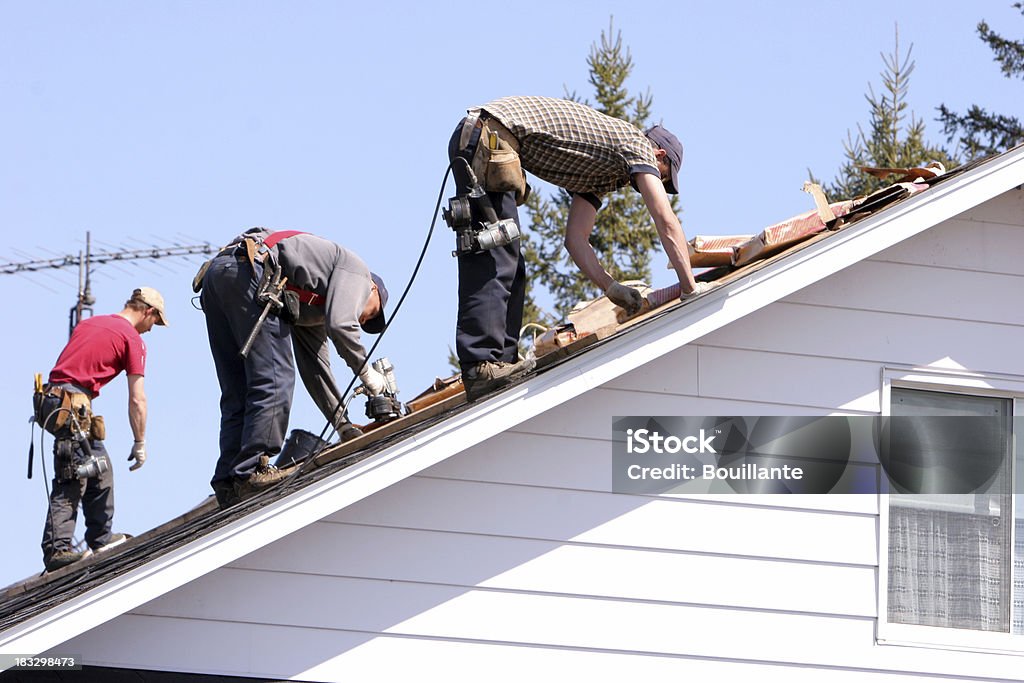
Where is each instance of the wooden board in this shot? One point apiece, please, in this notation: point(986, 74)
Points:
point(588, 316)
point(349, 447)
point(570, 349)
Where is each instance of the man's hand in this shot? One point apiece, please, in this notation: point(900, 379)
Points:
point(138, 455)
point(699, 289)
point(373, 381)
point(626, 297)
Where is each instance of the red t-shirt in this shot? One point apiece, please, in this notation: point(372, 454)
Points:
point(99, 349)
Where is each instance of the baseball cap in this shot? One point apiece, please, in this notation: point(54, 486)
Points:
point(153, 299)
point(375, 325)
point(664, 139)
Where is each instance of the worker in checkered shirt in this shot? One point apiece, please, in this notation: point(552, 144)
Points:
point(587, 153)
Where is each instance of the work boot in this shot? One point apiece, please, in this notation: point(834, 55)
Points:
point(115, 540)
point(224, 491)
point(348, 431)
point(263, 477)
point(62, 558)
point(489, 375)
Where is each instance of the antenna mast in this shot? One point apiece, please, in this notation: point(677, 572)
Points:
point(85, 262)
point(85, 297)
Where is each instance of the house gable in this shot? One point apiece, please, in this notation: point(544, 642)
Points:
point(597, 369)
point(513, 556)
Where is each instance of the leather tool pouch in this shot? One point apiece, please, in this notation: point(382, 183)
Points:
point(496, 162)
point(53, 415)
point(98, 431)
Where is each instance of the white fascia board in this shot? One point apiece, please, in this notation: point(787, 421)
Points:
point(481, 421)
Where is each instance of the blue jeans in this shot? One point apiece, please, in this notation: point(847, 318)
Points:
point(492, 285)
point(256, 391)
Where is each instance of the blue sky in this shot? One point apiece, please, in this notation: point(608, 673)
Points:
point(159, 123)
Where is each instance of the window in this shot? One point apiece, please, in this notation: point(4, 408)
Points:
point(956, 561)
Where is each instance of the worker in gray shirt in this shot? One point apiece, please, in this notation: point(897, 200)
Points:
point(339, 297)
point(334, 296)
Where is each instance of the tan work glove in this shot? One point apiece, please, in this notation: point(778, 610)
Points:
point(700, 289)
point(138, 455)
point(373, 381)
point(625, 297)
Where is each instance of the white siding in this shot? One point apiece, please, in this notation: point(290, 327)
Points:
point(513, 559)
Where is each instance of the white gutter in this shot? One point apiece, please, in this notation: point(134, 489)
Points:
point(481, 421)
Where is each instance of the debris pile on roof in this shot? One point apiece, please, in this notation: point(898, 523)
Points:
point(736, 251)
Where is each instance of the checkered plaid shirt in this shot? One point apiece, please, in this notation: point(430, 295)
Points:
point(573, 146)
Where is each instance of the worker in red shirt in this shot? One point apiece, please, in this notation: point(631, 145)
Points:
point(100, 348)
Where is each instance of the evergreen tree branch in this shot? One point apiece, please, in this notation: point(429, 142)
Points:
point(978, 132)
point(895, 137)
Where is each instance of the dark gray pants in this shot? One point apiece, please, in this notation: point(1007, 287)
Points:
point(255, 392)
point(313, 359)
point(96, 496)
point(492, 285)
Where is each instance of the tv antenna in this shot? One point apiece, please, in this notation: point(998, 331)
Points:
point(85, 260)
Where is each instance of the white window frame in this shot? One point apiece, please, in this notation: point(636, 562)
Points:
point(992, 385)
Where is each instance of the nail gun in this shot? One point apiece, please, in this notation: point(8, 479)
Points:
point(384, 407)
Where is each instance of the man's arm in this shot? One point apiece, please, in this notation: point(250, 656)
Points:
point(582, 215)
point(137, 420)
point(313, 360)
point(667, 223)
point(346, 295)
point(137, 406)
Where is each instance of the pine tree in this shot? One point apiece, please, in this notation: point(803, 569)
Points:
point(624, 235)
point(980, 133)
point(893, 140)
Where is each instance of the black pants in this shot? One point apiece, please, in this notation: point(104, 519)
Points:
point(492, 285)
point(95, 495)
point(255, 392)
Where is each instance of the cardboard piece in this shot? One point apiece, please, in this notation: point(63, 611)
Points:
point(714, 251)
point(781, 236)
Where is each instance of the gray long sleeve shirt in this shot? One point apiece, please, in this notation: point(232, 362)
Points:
point(339, 276)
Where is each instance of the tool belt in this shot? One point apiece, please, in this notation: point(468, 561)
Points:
point(254, 250)
point(249, 252)
point(247, 249)
point(494, 155)
point(53, 408)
